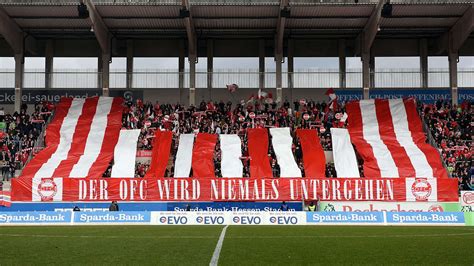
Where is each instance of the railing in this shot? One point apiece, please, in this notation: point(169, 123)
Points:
point(384, 78)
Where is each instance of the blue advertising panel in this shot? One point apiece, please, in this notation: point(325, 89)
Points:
point(233, 206)
point(425, 218)
point(112, 217)
point(35, 217)
point(34, 96)
point(345, 217)
point(349, 95)
point(422, 95)
point(85, 206)
point(465, 94)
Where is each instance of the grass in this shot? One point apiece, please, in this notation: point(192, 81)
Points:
point(243, 245)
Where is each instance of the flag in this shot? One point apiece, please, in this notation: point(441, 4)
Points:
point(80, 140)
point(389, 136)
point(332, 99)
point(232, 87)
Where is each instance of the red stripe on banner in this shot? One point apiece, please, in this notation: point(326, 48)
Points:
point(314, 159)
point(238, 189)
point(203, 155)
point(79, 138)
point(51, 139)
point(22, 189)
point(161, 153)
point(112, 132)
point(416, 129)
point(387, 135)
point(371, 167)
point(258, 153)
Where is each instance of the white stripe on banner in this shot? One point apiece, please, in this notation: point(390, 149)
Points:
point(125, 153)
point(231, 147)
point(404, 137)
point(184, 156)
point(281, 142)
point(94, 139)
point(345, 160)
point(66, 133)
point(371, 133)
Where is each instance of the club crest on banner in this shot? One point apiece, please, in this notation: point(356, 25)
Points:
point(47, 189)
point(421, 189)
point(467, 198)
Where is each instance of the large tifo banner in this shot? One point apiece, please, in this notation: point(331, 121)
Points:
point(236, 218)
point(235, 189)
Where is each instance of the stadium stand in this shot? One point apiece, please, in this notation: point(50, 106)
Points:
point(450, 128)
point(20, 133)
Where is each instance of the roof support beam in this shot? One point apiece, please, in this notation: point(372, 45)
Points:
point(190, 30)
point(366, 38)
point(280, 31)
point(104, 38)
point(453, 40)
point(11, 32)
point(14, 35)
point(101, 31)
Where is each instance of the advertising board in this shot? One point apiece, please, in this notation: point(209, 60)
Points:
point(375, 206)
point(237, 218)
point(38, 218)
point(425, 218)
point(228, 218)
point(345, 217)
point(101, 217)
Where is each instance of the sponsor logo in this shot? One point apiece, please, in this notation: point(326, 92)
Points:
point(45, 217)
point(283, 220)
point(47, 189)
point(435, 208)
point(421, 189)
point(468, 197)
point(126, 217)
point(384, 206)
point(345, 217)
point(329, 208)
point(247, 220)
point(426, 217)
point(210, 219)
point(174, 219)
point(199, 219)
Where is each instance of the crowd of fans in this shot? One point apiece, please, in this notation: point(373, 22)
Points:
point(213, 117)
point(451, 128)
point(18, 134)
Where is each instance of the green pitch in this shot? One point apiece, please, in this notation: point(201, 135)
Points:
point(243, 245)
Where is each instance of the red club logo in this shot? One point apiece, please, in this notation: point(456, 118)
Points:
point(47, 189)
point(435, 208)
point(421, 189)
point(468, 197)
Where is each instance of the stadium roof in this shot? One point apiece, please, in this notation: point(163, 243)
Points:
point(234, 19)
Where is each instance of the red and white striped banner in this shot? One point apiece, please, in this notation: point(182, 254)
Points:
point(389, 136)
point(5, 199)
point(80, 140)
